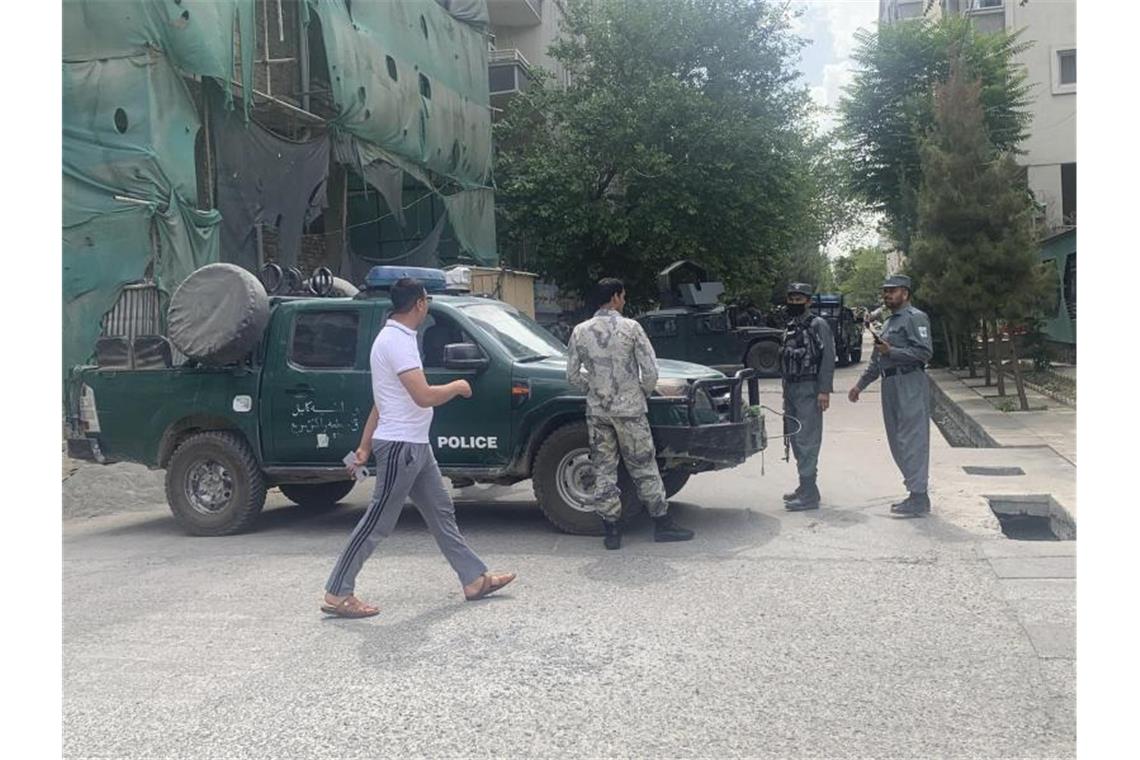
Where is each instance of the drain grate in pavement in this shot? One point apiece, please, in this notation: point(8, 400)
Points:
point(1032, 518)
point(995, 471)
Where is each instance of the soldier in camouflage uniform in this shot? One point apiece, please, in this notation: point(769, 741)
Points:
point(620, 372)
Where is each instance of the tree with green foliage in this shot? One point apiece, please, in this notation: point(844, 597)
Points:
point(974, 254)
point(859, 276)
point(683, 134)
point(890, 106)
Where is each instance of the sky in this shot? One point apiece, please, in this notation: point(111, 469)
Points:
point(825, 62)
point(830, 25)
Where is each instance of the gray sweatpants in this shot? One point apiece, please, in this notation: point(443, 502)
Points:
point(906, 415)
point(801, 400)
point(405, 470)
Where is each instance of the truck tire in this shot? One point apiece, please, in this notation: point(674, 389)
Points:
point(341, 288)
point(218, 314)
point(842, 357)
point(562, 476)
point(857, 356)
point(764, 357)
point(317, 496)
point(674, 481)
point(213, 484)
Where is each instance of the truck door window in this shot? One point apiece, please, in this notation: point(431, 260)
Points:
point(324, 340)
point(437, 331)
point(661, 327)
point(712, 323)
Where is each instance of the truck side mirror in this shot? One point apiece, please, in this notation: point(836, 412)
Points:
point(464, 356)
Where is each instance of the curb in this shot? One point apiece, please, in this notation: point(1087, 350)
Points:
point(976, 433)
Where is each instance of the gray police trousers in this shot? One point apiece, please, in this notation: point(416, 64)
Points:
point(906, 414)
point(801, 400)
point(405, 470)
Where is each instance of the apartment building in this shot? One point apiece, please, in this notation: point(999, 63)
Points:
point(1050, 150)
point(521, 33)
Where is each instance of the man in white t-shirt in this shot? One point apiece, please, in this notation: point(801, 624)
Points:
point(397, 434)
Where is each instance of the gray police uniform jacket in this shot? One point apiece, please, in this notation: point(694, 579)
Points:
point(908, 333)
point(825, 374)
point(619, 362)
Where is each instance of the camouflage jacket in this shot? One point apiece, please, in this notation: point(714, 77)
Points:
point(620, 368)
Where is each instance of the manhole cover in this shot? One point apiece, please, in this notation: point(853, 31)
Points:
point(995, 471)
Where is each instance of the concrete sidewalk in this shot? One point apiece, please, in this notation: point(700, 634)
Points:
point(1043, 440)
point(1048, 423)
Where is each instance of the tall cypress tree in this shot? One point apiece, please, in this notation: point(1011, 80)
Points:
point(975, 253)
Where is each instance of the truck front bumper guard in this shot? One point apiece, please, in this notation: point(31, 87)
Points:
point(736, 434)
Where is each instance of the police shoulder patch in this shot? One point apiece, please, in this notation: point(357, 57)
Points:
point(923, 331)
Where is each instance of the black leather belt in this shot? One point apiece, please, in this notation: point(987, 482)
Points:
point(902, 371)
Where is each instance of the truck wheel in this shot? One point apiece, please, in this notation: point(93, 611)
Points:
point(764, 357)
point(674, 481)
point(857, 356)
point(214, 485)
point(564, 481)
point(317, 496)
point(842, 358)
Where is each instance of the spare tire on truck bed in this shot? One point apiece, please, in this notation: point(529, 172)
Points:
point(218, 314)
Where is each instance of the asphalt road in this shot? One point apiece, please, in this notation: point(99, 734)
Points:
point(838, 633)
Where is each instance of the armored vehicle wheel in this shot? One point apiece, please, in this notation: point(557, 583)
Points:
point(213, 484)
point(674, 481)
point(218, 313)
point(764, 357)
point(317, 496)
point(564, 481)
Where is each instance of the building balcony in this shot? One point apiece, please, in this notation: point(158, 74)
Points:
point(509, 74)
point(515, 12)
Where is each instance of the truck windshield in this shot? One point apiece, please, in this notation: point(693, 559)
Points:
point(525, 339)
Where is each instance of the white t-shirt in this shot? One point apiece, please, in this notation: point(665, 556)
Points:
point(394, 351)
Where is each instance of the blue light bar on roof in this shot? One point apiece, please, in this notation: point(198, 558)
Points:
point(383, 277)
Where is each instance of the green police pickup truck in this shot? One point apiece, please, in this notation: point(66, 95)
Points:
point(285, 414)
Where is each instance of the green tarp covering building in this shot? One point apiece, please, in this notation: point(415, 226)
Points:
point(408, 88)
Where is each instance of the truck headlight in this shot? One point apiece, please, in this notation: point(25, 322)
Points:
point(672, 387)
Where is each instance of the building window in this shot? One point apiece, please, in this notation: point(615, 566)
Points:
point(1069, 194)
point(1067, 62)
point(1064, 70)
point(324, 340)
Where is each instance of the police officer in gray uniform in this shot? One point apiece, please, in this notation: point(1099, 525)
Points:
point(807, 363)
point(900, 357)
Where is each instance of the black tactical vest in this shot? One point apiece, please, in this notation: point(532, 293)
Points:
point(801, 353)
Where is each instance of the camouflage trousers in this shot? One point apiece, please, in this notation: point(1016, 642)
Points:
point(629, 440)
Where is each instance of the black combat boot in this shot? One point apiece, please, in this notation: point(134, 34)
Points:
point(664, 529)
point(918, 503)
point(807, 498)
point(794, 494)
point(613, 534)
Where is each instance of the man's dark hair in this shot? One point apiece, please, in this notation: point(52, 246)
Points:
point(606, 289)
point(404, 294)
